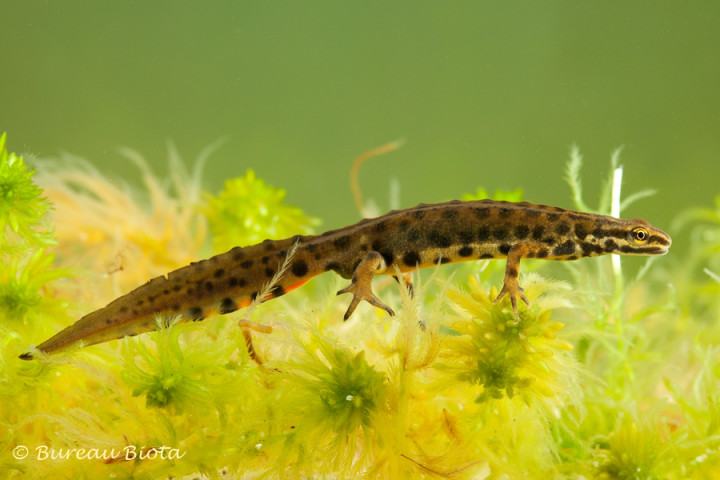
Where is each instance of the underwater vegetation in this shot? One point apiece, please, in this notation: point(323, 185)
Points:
point(608, 374)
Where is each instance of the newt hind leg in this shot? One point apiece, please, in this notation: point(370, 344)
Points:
point(511, 288)
point(361, 283)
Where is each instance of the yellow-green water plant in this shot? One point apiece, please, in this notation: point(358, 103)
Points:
point(248, 211)
point(595, 382)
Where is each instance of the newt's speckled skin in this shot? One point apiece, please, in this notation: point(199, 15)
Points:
point(401, 240)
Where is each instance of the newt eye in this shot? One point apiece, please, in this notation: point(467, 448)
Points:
point(639, 235)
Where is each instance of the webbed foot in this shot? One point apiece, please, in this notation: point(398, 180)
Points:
point(361, 284)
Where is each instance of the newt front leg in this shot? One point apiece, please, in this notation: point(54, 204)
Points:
point(361, 284)
point(511, 288)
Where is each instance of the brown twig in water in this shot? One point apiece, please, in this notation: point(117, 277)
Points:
point(359, 160)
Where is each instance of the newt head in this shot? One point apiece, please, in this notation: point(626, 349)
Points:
point(644, 239)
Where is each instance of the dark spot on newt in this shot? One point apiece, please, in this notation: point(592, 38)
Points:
point(379, 227)
point(610, 245)
point(438, 239)
point(580, 232)
point(277, 291)
point(388, 256)
point(411, 258)
point(562, 228)
point(195, 314)
point(246, 264)
point(219, 273)
point(465, 251)
point(567, 248)
point(228, 305)
point(522, 232)
point(450, 214)
point(553, 217)
point(343, 242)
point(481, 212)
point(299, 268)
point(537, 232)
point(590, 248)
point(500, 233)
point(466, 236)
point(483, 234)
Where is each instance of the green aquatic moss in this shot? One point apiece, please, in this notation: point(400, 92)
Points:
point(341, 399)
point(26, 265)
point(249, 211)
point(614, 378)
point(23, 284)
point(504, 358)
point(28, 273)
point(499, 195)
point(22, 207)
point(633, 451)
point(166, 377)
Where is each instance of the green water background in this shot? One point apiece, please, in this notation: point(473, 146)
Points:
point(486, 94)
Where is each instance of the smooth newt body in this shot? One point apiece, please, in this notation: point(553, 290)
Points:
point(397, 242)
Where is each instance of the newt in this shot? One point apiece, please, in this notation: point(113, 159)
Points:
point(395, 243)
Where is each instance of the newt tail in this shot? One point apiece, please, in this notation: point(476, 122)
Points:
point(395, 243)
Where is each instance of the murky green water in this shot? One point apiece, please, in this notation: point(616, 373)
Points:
point(486, 93)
